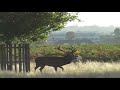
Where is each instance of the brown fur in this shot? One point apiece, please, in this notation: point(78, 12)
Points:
point(54, 61)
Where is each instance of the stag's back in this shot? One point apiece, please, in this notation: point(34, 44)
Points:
point(52, 61)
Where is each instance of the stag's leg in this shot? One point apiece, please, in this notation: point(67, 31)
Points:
point(36, 67)
point(61, 68)
point(55, 69)
point(41, 68)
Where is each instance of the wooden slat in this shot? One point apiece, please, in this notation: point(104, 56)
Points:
point(2, 57)
point(15, 57)
point(23, 56)
point(26, 64)
point(19, 51)
point(28, 48)
point(27, 56)
point(10, 55)
point(7, 56)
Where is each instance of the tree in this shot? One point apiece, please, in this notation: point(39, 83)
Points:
point(70, 35)
point(117, 32)
point(27, 26)
point(114, 38)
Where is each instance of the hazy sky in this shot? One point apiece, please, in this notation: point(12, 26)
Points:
point(98, 18)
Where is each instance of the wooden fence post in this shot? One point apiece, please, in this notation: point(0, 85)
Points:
point(28, 57)
point(7, 56)
point(2, 57)
point(15, 57)
point(19, 51)
point(10, 56)
point(23, 56)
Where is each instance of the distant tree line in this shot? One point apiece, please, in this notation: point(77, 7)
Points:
point(113, 38)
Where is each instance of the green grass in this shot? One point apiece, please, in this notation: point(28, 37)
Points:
point(78, 70)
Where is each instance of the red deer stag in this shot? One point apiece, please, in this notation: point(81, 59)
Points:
point(56, 61)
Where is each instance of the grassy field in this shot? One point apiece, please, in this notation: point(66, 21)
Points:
point(91, 69)
point(78, 70)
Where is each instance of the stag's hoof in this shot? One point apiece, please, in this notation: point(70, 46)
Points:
point(35, 68)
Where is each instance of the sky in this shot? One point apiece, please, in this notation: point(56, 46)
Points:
point(97, 18)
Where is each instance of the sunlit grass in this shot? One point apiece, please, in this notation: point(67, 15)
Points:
point(78, 70)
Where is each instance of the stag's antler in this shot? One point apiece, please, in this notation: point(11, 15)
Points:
point(73, 49)
point(60, 49)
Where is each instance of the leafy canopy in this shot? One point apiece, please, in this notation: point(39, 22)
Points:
point(21, 26)
point(117, 32)
point(70, 35)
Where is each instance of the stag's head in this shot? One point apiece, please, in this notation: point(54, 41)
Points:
point(69, 53)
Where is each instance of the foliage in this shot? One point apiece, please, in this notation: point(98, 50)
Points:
point(70, 35)
point(27, 26)
point(114, 38)
point(89, 52)
point(117, 32)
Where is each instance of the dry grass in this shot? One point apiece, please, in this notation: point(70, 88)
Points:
point(78, 70)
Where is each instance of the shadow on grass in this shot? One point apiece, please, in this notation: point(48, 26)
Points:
point(111, 74)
